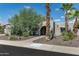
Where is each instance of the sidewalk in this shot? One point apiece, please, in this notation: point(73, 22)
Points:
point(53, 48)
point(2, 34)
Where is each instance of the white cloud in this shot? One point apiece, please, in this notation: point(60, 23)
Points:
point(62, 16)
point(27, 7)
point(57, 20)
point(57, 9)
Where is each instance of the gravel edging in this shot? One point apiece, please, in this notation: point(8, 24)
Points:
point(59, 41)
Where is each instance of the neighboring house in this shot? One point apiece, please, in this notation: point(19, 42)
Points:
point(7, 29)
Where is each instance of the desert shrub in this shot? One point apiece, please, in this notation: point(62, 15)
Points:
point(25, 34)
point(51, 34)
point(16, 31)
point(13, 38)
point(20, 23)
point(68, 36)
point(1, 29)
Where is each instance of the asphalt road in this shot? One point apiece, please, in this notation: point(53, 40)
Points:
point(19, 51)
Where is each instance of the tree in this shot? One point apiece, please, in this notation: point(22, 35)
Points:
point(47, 20)
point(78, 24)
point(25, 21)
point(75, 27)
point(66, 7)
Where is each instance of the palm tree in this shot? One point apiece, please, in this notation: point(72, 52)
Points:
point(66, 7)
point(47, 20)
point(75, 27)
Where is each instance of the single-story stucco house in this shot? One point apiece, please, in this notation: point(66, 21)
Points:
point(58, 27)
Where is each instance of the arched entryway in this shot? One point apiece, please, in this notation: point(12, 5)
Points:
point(43, 30)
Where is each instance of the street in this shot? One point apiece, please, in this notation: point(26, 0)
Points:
point(19, 51)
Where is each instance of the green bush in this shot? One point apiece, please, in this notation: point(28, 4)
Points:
point(13, 38)
point(51, 34)
point(68, 36)
point(1, 29)
point(25, 34)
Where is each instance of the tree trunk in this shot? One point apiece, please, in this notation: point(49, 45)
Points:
point(75, 28)
point(47, 20)
point(66, 22)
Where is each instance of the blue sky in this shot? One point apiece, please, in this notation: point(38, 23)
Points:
point(9, 9)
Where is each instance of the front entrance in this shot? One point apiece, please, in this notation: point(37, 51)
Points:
point(43, 30)
point(62, 29)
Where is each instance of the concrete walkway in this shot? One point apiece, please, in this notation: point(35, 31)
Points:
point(2, 34)
point(30, 44)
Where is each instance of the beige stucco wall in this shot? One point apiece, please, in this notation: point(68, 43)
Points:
point(58, 25)
point(7, 29)
point(57, 28)
point(51, 24)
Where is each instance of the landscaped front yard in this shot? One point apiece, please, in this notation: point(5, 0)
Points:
point(59, 41)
